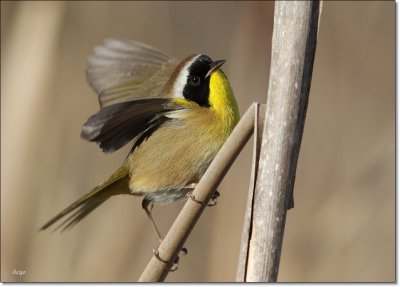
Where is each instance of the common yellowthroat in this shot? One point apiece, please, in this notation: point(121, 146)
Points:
point(177, 114)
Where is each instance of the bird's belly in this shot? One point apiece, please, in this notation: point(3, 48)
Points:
point(173, 157)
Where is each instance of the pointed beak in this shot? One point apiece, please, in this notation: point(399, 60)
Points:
point(215, 66)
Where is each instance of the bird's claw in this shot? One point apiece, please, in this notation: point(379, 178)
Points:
point(184, 250)
point(174, 266)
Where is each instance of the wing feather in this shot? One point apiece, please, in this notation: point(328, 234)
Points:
point(116, 125)
point(123, 70)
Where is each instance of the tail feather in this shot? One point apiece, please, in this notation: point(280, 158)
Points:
point(118, 183)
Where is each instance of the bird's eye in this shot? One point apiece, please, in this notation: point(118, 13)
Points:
point(194, 81)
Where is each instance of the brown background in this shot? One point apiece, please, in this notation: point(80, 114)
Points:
point(343, 225)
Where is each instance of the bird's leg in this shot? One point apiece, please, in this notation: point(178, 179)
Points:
point(191, 186)
point(148, 206)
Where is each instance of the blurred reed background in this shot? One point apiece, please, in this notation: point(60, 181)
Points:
point(343, 225)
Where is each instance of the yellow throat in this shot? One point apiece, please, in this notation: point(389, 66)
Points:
point(222, 101)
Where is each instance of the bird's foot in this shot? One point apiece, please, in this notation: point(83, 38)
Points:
point(174, 266)
point(212, 202)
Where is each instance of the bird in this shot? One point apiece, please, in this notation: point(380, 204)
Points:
point(176, 114)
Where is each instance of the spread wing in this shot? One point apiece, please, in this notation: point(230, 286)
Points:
point(124, 70)
point(114, 126)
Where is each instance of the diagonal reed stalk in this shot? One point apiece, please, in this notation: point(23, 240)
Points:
point(169, 248)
